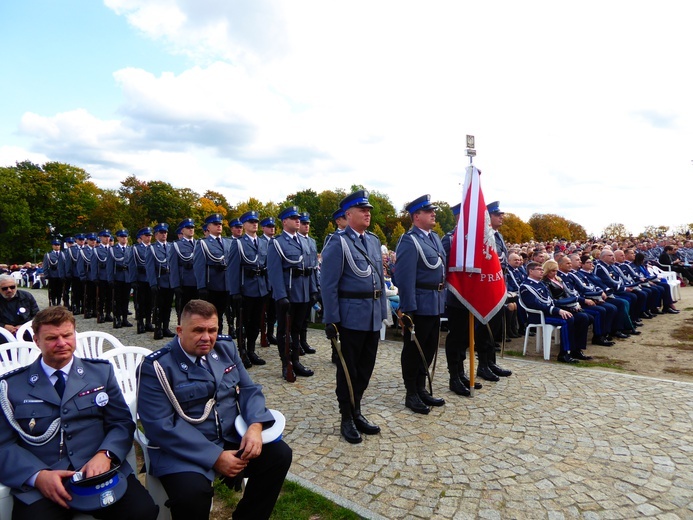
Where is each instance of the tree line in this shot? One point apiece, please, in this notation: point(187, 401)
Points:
point(59, 200)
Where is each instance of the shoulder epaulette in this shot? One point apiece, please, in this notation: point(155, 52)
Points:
point(158, 353)
point(95, 360)
point(13, 372)
point(224, 337)
point(371, 233)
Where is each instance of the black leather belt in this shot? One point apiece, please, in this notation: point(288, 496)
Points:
point(142, 270)
point(164, 270)
point(252, 273)
point(187, 265)
point(373, 295)
point(431, 286)
point(300, 272)
point(122, 268)
point(217, 267)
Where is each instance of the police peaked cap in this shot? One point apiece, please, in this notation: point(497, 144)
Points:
point(268, 222)
point(358, 199)
point(304, 217)
point(98, 492)
point(104, 233)
point(188, 222)
point(338, 214)
point(122, 233)
point(80, 236)
point(144, 231)
point(235, 223)
point(423, 202)
point(161, 227)
point(91, 236)
point(70, 240)
point(215, 218)
point(291, 211)
point(494, 207)
point(250, 216)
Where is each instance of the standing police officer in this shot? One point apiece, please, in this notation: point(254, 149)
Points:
point(119, 259)
point(420, 278)
point(138, 277)
point(87, 276)
point(312, 264)
point(54, 266)
point(99, 269)
point(67, 271)
point(354, 309)
point(247, 277)
point(210, 261)
point(293, 286)
point(183, 278)
point(268, 229)
point(74, 254)
point(158, 265)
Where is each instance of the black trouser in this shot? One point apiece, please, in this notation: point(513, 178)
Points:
point(219, 299)
point(77, 294)
point(67, 283)
point(427, 332)
point(252, 312)
point(90, 297)
point(271, 314)
point(184, 294)
point(359, 348)
point(55, 290)
point(144, 302)
point(105, 298)
point(136, 504)
point(121, 299)
point(457, 340)
point(190, 494)
point(164, 302)
point(298, 314)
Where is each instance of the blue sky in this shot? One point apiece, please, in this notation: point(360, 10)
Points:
point(578, 109)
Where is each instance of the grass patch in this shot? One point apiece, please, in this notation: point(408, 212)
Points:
point(683, 333)
point(680, 371)
point(295, 503)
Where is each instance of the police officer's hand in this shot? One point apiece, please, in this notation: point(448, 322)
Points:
point(283, 304)
point(228, 464)
point(50, 484)
point(98, 464)
point(155, 290)
point(203, 293)
point(313, 298)
point(251, 444)
point(406, 320)
point(331, 330)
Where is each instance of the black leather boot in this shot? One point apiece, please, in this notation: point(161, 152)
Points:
point(483, 371)
point(348, 428)
point(158, 333)
point(415, 404)
point(117, 323)
point(140, 327)
point(253, 357)
point(299, 369)
point(364, 425)
point(457, 386)
point(167, 332)
point(303, 338)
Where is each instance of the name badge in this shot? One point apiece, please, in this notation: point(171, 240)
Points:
point(101, 399)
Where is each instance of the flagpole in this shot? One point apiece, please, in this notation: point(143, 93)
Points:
point(471, 152)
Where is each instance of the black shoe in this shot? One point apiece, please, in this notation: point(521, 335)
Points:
point(349, 431)
point(99, 318)
point(271, 338)
point(255, 359)
point(532, 333)
point(108, 318)
point(565, 358)
point(638, 323)
point(621, 335)
point(415, 404)
point(429, 399)
point(499, 371)
point(246, 361)
point(140, 328)
point(363, 425)
point(602, 341)
point(158, 334)
point(608, 337)
point(307, 349)
point(117, 323)
point(302, 371)
point(335, 357)
point(669, 310)
point(465, 382)
point(149, 327)
point(579, 355)
point(634, 332)
point(646, 315)
point(126, 323)
point(485, 373)
point(457, 386)
point(654, 312)
point(168, 333)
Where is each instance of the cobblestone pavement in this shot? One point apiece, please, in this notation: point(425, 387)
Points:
point(552, 441)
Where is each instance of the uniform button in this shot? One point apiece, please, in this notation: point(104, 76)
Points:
point(65, 426)
point(221, 420)
point(34, 413)
point(64, 410)
point(69, 437)
point(191, 395)
point(70, 454)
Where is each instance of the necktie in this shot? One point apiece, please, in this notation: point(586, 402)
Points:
point(363, 241)
point(219, 240)
point(200, 362)
point(433, 241)
point(296, 239)
point(60, 383)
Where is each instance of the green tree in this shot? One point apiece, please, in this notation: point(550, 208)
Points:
point(14, 217)
point(444, 216)
point(396, 234)
point(439, 230)
point(548, 226)
point(616, 231)
point(377, 231)
point(577, 232)
point(515, 230)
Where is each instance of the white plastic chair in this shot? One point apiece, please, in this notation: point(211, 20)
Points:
point(91, 344)
point(19, 280)
point(7, 335)
point(26, 327)
point(544, 332)
point(125, 361)
point(671, 278)
point(17, 354)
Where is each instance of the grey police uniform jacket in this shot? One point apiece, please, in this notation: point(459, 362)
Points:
point(176, 445)
point(210, 262)
point(312, 259)
point(86, 427)
point(99, 263)
point(71, 261)
point(158, 265)
point(247, 272)
point(347, 270)
point(118, 265)
point(53, 264)
point(289, 270)
point(138, 263)
point(182, 272)
point(84, 270)
point(420, 273)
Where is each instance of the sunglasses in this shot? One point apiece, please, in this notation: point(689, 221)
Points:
point(8, 288)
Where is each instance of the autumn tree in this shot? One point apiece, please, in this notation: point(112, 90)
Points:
point(515, 230)
point(548, 226)
point(396, 235)
point(577, 232)
point(615, 231)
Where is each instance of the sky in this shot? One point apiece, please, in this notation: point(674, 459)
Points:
point(580, 109)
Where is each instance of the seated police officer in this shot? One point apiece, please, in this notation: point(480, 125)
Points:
point(190, 394)
point(63, 414)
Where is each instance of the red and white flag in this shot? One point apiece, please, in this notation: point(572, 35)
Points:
point(474, 274)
